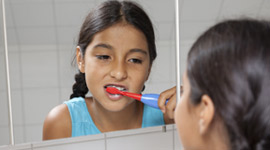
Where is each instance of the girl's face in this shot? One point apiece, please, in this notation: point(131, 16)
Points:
point(118, 56)
point(186, 120)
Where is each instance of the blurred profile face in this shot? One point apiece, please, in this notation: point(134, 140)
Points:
point(117, 57)
point(186, 120)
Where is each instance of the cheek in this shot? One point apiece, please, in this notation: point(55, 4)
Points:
point(180, 116)
point(94, 69)
point(138, 75)
point(183, 122)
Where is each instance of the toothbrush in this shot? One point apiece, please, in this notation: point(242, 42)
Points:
point(148, 99)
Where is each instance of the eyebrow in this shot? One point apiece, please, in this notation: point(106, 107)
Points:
point(104, 46)
point(134, 50)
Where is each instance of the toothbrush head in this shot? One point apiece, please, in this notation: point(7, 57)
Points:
point(113, 90)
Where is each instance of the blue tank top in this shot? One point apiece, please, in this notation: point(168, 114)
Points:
point(82, 123)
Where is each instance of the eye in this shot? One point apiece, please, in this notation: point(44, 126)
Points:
point(103, 57)
point(136, 61)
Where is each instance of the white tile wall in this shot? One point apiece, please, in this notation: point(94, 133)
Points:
point(15, 70)
point(36, 36)
point(38, 102)
point(265, 11)
point(39, 69)
point(151, 138)
point(160, 11)
point(193, 10)
point(65, 93)
point(34, 13)
point(64, 12)
point(68, 35)
point(4, 138)
point(164, 31)
point(67, 70)
point(177, 142)
point(191, 30)
point(3, 71)
point(184, 48)
point(3, 109)
point(235, 9)
point(19, 136)
point(12, 39)
point(17, 107)
point(162, 66)
point(144, 139)
point(97, 145)
point(96, 142)
point(9, 19)
point(33, 133)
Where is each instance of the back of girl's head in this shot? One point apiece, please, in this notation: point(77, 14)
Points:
point(230, 62)
point(103, 17)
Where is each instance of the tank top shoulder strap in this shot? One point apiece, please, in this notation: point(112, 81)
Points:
point(82, 123)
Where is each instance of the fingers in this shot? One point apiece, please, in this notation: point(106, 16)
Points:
point(170, 95)
point(170, 107)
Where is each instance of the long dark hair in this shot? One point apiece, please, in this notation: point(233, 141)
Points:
point(104, 16)
point(230, 62)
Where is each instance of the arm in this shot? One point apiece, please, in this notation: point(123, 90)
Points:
point(168, 109)
point(57, 123)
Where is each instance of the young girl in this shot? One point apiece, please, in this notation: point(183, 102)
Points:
point(116, 48)
point(226, 100)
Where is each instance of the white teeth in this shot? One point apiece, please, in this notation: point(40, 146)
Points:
point(117, 87)
point(115, 95)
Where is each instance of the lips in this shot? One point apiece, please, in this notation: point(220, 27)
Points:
point(115, 96)
point(119, 87)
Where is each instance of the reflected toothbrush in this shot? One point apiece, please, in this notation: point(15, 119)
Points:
point(148, 99)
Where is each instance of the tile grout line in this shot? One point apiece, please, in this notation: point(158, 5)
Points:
point(220, 10)
point(58, 53)
point(105, 141)
point(260, 10)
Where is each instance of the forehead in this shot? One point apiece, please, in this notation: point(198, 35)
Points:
point(122, 34)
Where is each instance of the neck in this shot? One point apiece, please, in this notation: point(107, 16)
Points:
point(128, 118)
point(218, 139)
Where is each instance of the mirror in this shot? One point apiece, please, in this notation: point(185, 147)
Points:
point(42, 39)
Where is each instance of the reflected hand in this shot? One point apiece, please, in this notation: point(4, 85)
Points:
point(169, 108)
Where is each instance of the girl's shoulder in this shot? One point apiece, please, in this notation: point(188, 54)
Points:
point(57, 123)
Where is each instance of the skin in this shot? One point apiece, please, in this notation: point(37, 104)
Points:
point(119, 56)
point(197, 126)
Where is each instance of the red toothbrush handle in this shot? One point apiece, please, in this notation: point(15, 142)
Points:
point(132, 95)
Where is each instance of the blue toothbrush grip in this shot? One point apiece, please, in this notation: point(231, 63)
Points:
point(151, 100)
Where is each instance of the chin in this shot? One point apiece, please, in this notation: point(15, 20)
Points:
point(116, 107)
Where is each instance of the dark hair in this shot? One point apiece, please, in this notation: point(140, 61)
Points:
point(230, 62)
point(106, 15)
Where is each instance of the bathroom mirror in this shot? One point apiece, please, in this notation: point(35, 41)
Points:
point(42, 38)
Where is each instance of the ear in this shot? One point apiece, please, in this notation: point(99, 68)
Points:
point(206, 114)
point(80, 60)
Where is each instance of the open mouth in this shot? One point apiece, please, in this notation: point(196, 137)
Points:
point(120, 88)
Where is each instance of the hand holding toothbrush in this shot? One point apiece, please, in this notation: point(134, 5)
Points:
point(168, 108)
point(166, 101)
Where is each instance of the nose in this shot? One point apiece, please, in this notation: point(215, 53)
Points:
point(118, 71)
